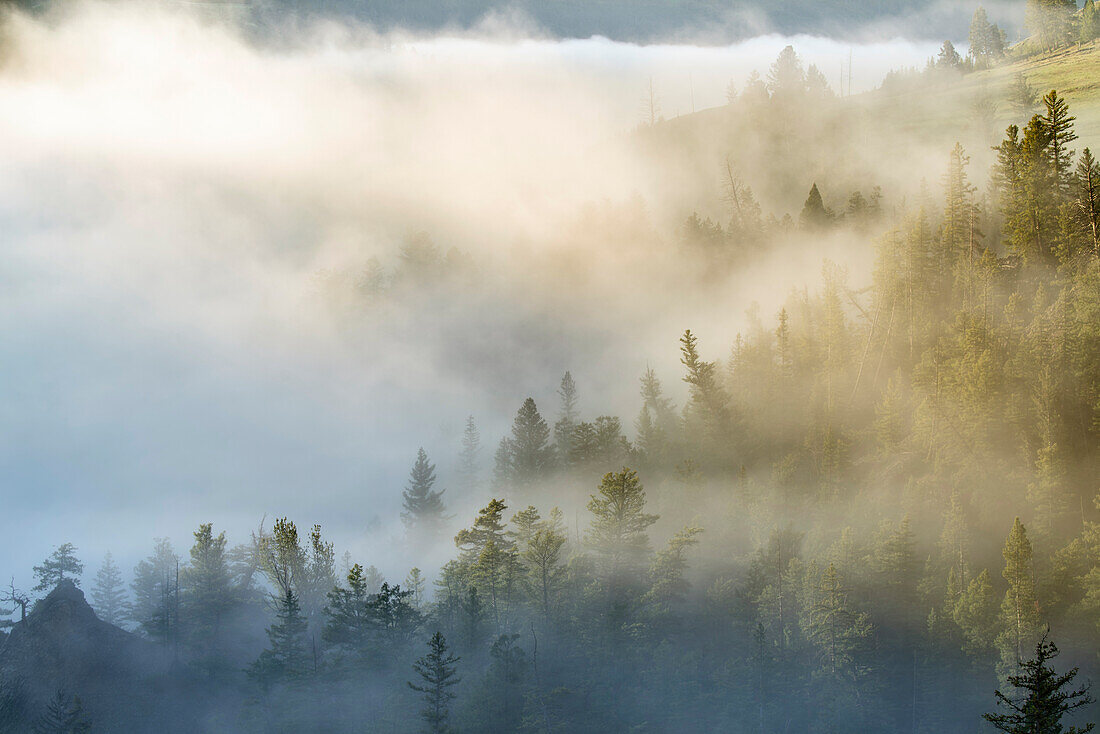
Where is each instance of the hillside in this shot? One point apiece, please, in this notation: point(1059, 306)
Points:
point(894, 137)
point(983, 97)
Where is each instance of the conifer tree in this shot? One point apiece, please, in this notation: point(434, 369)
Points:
point(423, 511)
point(814, 215)
point(786, 78)
point(1089, 29)
point(287, 656)
point(61, 562)
point(948, 57)
point(1088, 196)
point(583, 444)
point(1058, 124)
point(708, 408)
point(208, 594)
point(840, 633)
point(438, 671)
point(567, 414)
point(348, 623)
point(666, 574)
point(156, 592)
point(1019, 611)
point(415, 584)
point(975, 613)
point(1022, 96)
point(619, 522)
point(504, 684)
point(1043, 697)
point(468, 462)
point(981, 39)
point(1048, 21)
point(64, 714)
point(959, 211)
point(108, 593)
point(542, 558)
point(488, 527)
point(531, 454)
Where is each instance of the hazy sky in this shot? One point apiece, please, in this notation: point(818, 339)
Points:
point(172, 198)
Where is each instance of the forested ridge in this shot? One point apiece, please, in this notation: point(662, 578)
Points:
point(871, 511)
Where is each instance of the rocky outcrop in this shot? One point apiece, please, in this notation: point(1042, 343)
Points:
point(125, 683)
point(63, 642)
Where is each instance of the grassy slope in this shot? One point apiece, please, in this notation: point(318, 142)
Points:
point(935, 111)
point(893, 139)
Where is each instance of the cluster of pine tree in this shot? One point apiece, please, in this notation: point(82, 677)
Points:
point(866, 519)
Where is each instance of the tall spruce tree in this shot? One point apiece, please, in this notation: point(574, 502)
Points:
point(108, 592)
point(814, 215)
point(207, 595)
point(438, 671)
point(567, 414)
point(469, 466)
point(287, 657)
point(531, 456)
point(1059, 132)
point(423, 511)
point(1088, 197)
point(1020, 609)
point(155, 588)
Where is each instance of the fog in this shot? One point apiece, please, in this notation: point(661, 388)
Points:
point(175, 200)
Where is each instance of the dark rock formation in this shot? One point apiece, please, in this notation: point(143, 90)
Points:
point(125, 683)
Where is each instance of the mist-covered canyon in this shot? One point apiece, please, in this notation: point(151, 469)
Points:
point(462, 368)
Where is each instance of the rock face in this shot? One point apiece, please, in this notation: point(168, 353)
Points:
point(62, 640)
point(125, 683)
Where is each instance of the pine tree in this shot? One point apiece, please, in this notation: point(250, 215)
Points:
point(542, 558)
point(52, 571)
point(64, 715)
point(1050, 21)
point(583, 444)
point(1043, 697)
point(948, 57)
point(1058, 124)
point(286, 657)
point(468, 463)
point(488, 527)
point(975, 613)
point(438, 671)
point(958, 212)
point(108, 593)
point(415, 584)
point(981, 38)
point(423, 510)
point(814, 215)
point(666, 574)
point(1088, 196)
point(1022, 96)
point(567, 414)
point(207, 595)
point(1020, 609)
point(840, 633)
point(156, 592)
point(317, 579)
point(619, 522)
point(531, 453)
point(786, 78)
point(1089, 30)
point(349, 624)
point(709, 408)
